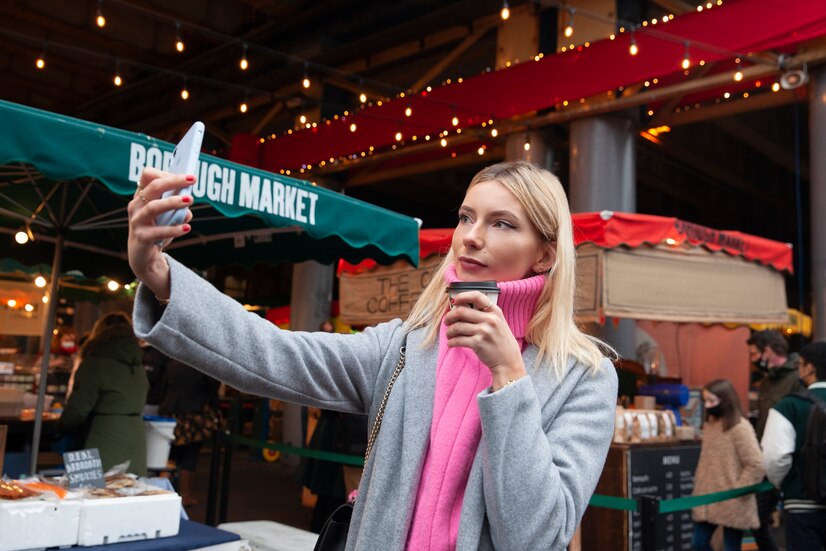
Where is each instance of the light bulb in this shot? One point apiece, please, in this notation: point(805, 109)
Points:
point(352, 127)
point(738, 75)
point(45, 299)
point(408, 111)
point(184, 93)
point(776, 87)
point(243, 107)
point(527, 146)
point(40, 281)
point(40, 62)
point(481, 150)
point(28, 308)
point(302, 119)
point(179, 44)
point(244, 63)
point(454, 121)
point(569, 31)
point(398, 136)
point(11, 303)
point(113, 285)
point(443, 142)
point(306, 82)
point(633, 49)
point(363, 97)
point(506, 12)
point(101, 21)
point(686, 63)
point(117, 80)
point(21, 237)
point(494, 132)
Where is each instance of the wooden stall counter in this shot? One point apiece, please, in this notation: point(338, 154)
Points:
point(661, 469)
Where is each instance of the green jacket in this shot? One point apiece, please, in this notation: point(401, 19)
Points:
point(107, 400)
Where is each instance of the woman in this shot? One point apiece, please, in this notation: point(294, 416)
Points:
point(496, 431)
point(109, 393)
point(729, 458)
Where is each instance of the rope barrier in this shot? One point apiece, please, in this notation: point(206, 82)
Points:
point(597, 500)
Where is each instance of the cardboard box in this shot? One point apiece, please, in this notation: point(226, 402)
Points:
point(114, 520)
point(38, 523)
point(11, 401)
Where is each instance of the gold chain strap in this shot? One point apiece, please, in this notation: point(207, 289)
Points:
point(377, 423)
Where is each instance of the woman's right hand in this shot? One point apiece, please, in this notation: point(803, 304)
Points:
point(145, 256)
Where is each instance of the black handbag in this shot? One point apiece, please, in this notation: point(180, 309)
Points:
point(333, 535)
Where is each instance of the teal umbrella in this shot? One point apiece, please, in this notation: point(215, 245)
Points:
point(67, 182)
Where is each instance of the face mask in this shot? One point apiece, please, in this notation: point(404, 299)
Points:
point(716, 411)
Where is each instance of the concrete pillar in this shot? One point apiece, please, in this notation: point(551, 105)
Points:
point(817, 198)
point(603, 177)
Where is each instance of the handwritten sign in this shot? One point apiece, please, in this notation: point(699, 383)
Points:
point(84, 468)
point(385, 292)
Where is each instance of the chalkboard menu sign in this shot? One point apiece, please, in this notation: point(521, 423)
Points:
point(84, 468)
point(667, 473)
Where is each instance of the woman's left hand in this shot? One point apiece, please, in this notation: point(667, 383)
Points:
point(484, 330)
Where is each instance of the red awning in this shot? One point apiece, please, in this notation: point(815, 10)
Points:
point(714, 35)
point(609, 229)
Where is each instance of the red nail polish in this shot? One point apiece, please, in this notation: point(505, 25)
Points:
point(190, 178)
point(186, 199)
point(186, 228)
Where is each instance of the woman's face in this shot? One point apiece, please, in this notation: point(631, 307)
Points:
point(494, 238)
point(710, 400)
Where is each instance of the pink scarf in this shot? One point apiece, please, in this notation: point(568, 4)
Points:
point(456, 429)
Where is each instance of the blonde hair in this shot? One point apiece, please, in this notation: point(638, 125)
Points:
point(552, 328)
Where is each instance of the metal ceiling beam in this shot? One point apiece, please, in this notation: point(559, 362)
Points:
point(445, 62)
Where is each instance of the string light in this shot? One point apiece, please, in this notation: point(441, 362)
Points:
point(633, 49)
point(408, 111)
point(776, 87)
point(100, 20)
point(455, 120)
point(443, 142)
point(244, 63)
point(40, 62)
point(21, 237)
point(481, 150)
point(306, 82)
point(738, 75)
point(302, 119)
point(398, 136)
point(569, 28)
point(40, 281)
point(113, 285)
point(243, 107)
point(506, 11)
point(686, 58)
point(352, 127)
point(184, 91)
point(179, 44)
point(117, 80)
point(363, 97)
point(494, 132)
point(527, 145)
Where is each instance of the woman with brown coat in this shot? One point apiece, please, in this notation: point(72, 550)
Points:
point(729, 458)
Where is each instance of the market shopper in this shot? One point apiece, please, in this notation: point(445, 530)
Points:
point(805, 519)
point(496, 431)
point(108, 396)
point(729, 458)
point(769, 354)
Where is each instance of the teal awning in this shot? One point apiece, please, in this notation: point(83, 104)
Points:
point(52, 168)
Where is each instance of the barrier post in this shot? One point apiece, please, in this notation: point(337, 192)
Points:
point(214, 468)
point(227, 468)
point(649, 509)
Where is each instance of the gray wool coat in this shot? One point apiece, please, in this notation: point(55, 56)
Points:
point(543, 445)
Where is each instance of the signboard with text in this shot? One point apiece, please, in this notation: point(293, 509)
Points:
point(84, 468)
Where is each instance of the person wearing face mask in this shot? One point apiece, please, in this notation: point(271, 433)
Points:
point(497, 427)
point(805, 519)
point(769, 354)
point(729, 458)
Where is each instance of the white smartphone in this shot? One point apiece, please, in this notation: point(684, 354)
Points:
point(184, 161)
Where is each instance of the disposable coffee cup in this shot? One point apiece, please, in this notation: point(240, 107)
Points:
point(489, 288)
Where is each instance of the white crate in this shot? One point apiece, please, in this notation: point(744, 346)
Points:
point(266, 535)
point(38, 524)
point(114, 520)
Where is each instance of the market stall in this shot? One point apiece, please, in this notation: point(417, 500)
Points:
point(66, 184)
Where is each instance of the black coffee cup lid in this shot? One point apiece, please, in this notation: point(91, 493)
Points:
point(483, 286)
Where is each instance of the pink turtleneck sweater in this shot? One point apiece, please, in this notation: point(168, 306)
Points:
point(456, 428)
